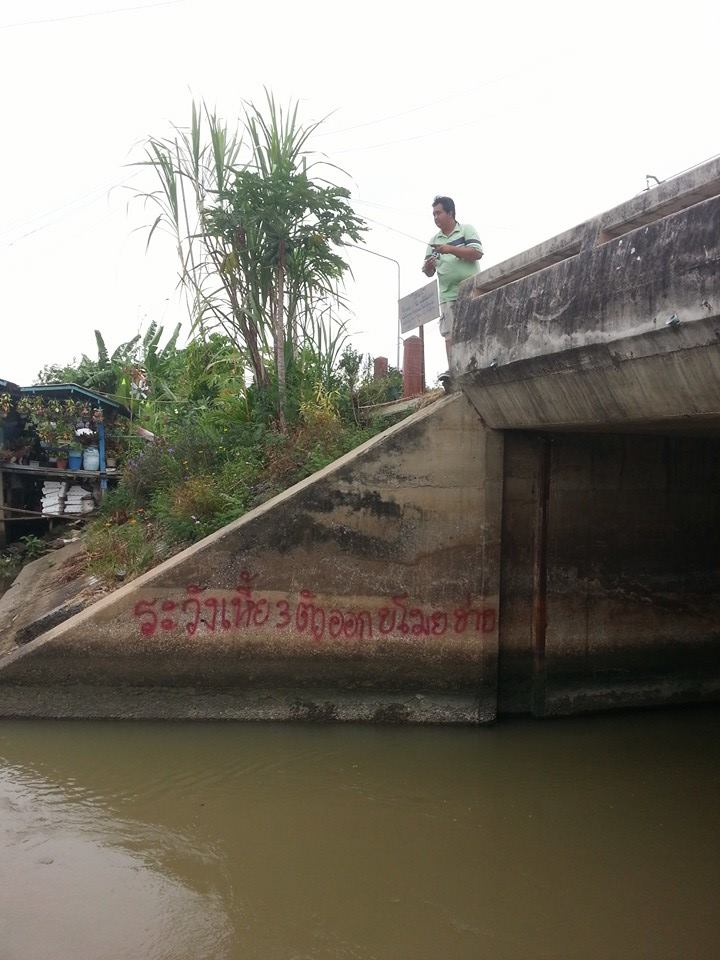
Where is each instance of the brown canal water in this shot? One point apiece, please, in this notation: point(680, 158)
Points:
point(578, 839)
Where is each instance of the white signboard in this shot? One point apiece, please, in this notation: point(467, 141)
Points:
point(419, 307)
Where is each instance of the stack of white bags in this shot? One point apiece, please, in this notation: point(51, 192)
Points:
point(53, 498)
point(79, 500)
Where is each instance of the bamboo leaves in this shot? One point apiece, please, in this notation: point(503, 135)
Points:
point(256, 235)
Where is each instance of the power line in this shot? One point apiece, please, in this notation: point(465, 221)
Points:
point(530, 65)
point(93, 13)
point(418, 136)
point(418, 215)
point(91, 197)
point(403, 113)
point(385, 206)
point(691, 167)
point(409, 236)
point(90, 226)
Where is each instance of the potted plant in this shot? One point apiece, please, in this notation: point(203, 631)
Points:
point(112, 451)
point(86, 440)
point(85, 437)
point(32, 409)
point(47, 433)
point(65, 440)
point(21, 448)
point(81, 437)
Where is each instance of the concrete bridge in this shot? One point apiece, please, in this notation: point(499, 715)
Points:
point(544, 541)
point(597, 354)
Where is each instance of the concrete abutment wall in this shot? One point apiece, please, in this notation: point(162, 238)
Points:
point(369, 591)
point(442, 573)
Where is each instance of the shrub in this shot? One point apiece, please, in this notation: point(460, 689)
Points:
point(34, 547)
point(118, 504)
point(221, 452)
point(190, 510)
point(196, 446)
point(10, 567)
point(152, 468)
point(237, 483)
point(119, 550)
point(381, 391)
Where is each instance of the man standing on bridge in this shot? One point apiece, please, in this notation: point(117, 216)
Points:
point(453, 254)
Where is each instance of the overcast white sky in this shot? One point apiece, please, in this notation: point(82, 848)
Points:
point(533, 116)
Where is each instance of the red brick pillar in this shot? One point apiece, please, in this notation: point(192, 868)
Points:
point(380, 368)
point(412, 366)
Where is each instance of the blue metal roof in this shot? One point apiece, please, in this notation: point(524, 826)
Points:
point(66, 391)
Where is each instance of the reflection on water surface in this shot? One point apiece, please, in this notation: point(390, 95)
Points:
point(590, 838)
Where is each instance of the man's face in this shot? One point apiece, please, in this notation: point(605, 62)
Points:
point(443, 220)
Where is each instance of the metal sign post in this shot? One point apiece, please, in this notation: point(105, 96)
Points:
point(418, 308)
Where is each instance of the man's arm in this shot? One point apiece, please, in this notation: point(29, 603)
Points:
point(469, 251)
point(429, 267)
point(430, 263)
point(462, 253)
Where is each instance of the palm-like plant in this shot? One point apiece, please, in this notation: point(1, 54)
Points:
point(258, 240)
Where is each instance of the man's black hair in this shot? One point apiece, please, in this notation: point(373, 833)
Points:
point(447, 203)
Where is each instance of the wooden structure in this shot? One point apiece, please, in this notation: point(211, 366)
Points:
point(14, 476)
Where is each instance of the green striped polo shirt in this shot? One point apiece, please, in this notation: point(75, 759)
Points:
point(451, 271)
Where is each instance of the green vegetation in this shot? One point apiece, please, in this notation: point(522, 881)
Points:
point(10, 566)
point(14, 558)
point(268, 389)
point(117, 374)
point(215, 460)
point(258, 238)
point(34, 547)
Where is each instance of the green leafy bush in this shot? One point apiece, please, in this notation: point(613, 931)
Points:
point(119, 550)
point(189, 510)
point(152, 467)
point(118, 504)
point(196, 446)
point(34, 547)
point(220, 449)
point(381, 391)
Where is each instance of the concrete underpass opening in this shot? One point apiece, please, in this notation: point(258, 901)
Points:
point(618, 606)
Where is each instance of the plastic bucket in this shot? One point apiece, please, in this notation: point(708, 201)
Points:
point(91, 458)
point(75, 461)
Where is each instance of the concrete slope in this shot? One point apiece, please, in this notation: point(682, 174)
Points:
point(367, 591)
point(46, 592)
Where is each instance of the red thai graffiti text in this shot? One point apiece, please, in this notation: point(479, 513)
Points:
point(202, 610)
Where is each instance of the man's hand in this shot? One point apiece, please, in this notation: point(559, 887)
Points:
point(462, 253)
point(429, 267)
